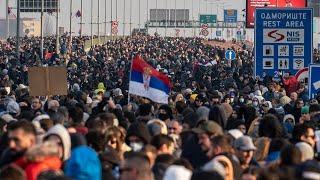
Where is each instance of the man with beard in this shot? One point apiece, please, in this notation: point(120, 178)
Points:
point(21, 137)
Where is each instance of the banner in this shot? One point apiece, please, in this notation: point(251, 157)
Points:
point(253, 4)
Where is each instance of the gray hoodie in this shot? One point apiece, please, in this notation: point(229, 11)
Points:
point(64, 135)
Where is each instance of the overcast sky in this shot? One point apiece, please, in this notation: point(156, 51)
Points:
point(206, 7)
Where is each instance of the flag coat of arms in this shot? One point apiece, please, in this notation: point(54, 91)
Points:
point(147, 82)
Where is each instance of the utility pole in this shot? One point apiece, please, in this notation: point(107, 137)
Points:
point(117, 10)
point(81, 19)
point(130, 27)
point(18, 29)
point(105, 20)
point(91, 23)
point(7, 19)
point(175, 14)
point(139, 15)
point(184, 18)
point(199, 24)
point(70, 28)
point(147, 16)
point(41, 31)
point(193, 22)
point(124, 18)
point(111, 34)
point(57, 28)
point(98, 21)
point(165, 30)
point(157, 22)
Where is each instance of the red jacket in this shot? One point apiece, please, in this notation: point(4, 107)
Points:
point(33, 169)
point(291, 84)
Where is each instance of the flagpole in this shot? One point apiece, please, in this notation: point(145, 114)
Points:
point(157, 22)
point(111, 20)
point(81, 19)
point(130, 80)
point(165, 31)
point(139, 15)
point(18, 29)
point(130, 18)
point(91, 23)
point(70, 27)
point(7, 18)
point(184, 18)
point(117, 11)
point(175, 14)
point(105, 20)
point(147, 16)
point(199, 11)
point(41, 31)
point(98, 21)
point(124, 18)
point(57, 27)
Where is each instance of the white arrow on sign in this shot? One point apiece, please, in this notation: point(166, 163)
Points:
point(230, 54)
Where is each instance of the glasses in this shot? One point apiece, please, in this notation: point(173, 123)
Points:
point(172, 128)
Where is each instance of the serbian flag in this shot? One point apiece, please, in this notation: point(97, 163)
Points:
point(147, 82)
point(78, 14)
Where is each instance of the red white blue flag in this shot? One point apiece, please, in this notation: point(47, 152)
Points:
point(147, 82)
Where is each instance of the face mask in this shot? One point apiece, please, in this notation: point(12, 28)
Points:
point(163, 116)
point(255, 104)
point(241, 100)
point(136, 146)
point(231, 100)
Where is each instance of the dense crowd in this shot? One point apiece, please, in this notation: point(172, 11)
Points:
point(220, 122)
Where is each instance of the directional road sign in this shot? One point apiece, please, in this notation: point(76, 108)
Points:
point(314, 80)
point(230, 55)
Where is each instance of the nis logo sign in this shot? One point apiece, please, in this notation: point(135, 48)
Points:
point(283, 36)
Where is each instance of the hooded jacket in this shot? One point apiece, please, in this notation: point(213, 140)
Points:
point(63, 134)
point(83, 164)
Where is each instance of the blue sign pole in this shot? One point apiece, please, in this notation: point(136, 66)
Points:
point(314, 80)
point(230, 55)
point(283, 40)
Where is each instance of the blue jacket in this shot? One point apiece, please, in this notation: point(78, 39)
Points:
point(83, 164)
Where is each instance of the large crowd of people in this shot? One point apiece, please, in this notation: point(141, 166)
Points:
point(220, 123)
